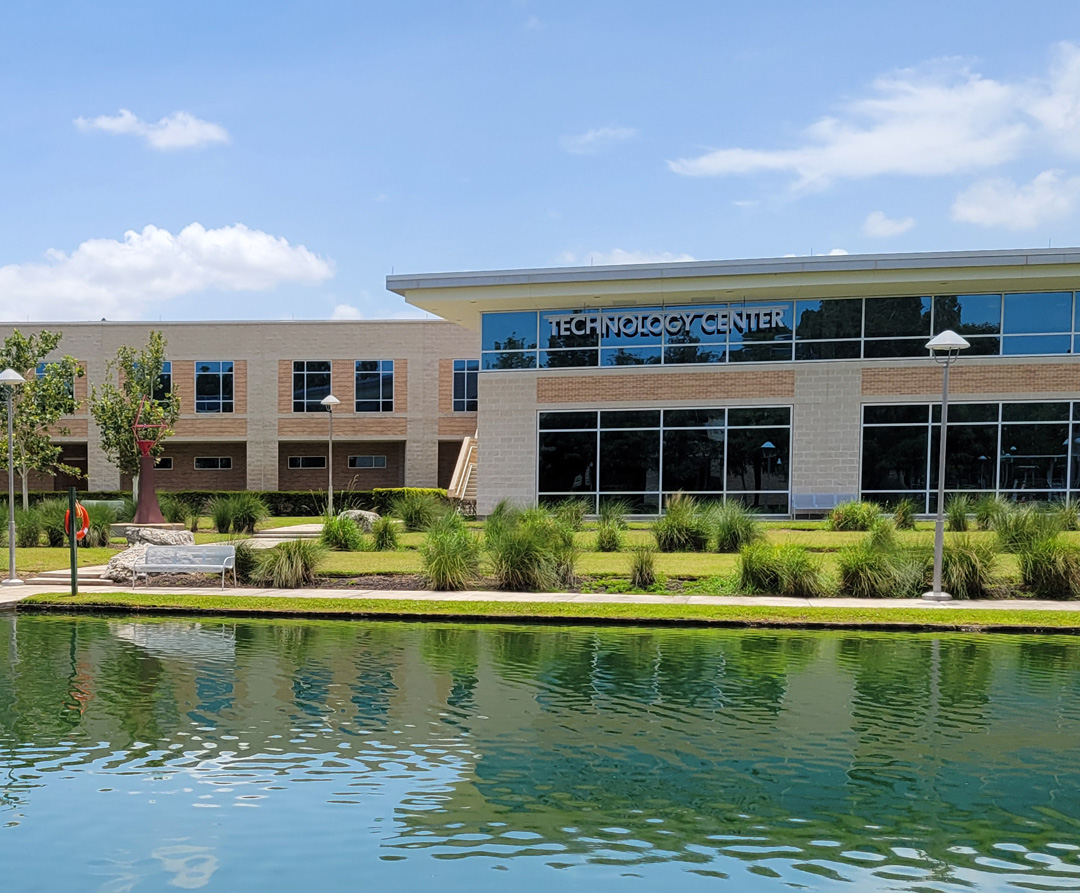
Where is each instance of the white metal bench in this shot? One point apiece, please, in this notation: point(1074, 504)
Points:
point(185, 560)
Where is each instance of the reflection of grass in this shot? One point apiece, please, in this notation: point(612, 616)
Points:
point(754, 614)
point(41, 558)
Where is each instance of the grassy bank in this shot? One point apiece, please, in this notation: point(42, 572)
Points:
point(883, 617)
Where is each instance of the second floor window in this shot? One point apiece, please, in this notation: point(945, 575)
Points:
point(214, 386)
point(310, 383)
point(465, 372)
point(70, 383)
point(374, 385)
point(163, 388)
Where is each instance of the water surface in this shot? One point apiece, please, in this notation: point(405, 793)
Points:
point(142, 754)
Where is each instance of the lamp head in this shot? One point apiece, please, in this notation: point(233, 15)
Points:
point(330, 401)
point(947, 342)
point(11, 378)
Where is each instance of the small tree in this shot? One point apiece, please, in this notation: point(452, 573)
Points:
point(115, 405)
point(39, 405)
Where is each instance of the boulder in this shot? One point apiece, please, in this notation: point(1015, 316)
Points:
point(120, 565)
point(363, 519)
point(155, 536)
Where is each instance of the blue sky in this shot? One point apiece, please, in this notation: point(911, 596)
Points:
point(226, 160)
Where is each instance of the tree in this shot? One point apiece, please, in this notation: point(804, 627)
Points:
point(39, 405)
point(116, 404)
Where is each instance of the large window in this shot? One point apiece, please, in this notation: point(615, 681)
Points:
point(296, 462)
point(214, 386)
point(213, 463)
point(374, 385)
point(827, 329)
point(465, 372)
point(1023, 451)
point(163, 386)
point(311, 382)
point(367, 461)
point(644, 456)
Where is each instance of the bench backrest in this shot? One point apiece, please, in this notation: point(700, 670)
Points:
point(208, 554)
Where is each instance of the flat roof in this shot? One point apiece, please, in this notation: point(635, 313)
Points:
point(458, 296)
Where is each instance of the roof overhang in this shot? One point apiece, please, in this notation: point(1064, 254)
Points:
point(462, 297)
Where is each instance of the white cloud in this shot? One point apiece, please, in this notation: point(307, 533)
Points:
point(618, 256)
point(122, 279)
point(944, 119)
point(878, 226)
point(1000, 202)
point(592, 141)
point(346, 311)
point(838, 251)
point(180, 130)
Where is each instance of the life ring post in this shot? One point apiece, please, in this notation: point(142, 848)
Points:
point(73, 539)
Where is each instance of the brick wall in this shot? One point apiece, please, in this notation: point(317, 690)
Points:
point(184, 476)
point(760, 384)
point(344, 477)
point(968, 378)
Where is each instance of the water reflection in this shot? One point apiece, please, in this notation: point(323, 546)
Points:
point(149, 753)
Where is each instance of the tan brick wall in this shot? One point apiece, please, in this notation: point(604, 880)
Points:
point(506, 465)
point(362, 424)
point(75, 426)
point(966, 378)
point(81, 391)
point(763, 384)
point(344, 477)
point(285, 386)
point(211, 425)
point(825, 431)
point(460, 425)
point(183, 383)
point(446, 385)
point(240, 384)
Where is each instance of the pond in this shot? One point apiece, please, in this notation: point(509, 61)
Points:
point(153, 754)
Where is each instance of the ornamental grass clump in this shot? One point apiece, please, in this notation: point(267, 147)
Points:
point(1050, 568)
point(643, 567)
point(102, 518)
point(28, 527)
point(289, 565)
point(967, 568)
point(609, 537)
point(450, 553)
point(249, 509)
point(614, 512)
point(47, 517)
point(957, 509)
point(522, 549)
point(417, 509)
point(787, 570)
point(341, 535)
point(220, 510)
point(571, 513)
point(384, 536)
point(1066, 513)
point(989, 510)
point(1023, 526)
point(683, 527)
point(904, 514)
point(735, 526)
point(867, 572)
point(853, 516)
point(173, 510)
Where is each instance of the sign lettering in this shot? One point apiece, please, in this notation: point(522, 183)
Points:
point(675, 322)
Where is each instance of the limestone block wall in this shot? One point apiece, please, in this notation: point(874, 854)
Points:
point(507, 439)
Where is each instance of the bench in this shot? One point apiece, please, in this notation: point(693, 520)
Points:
point(185, 560)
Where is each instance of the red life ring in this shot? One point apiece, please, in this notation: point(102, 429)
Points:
point(84, 521)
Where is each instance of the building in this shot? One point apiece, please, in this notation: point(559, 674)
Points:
point(790, 384)
point(249, 395)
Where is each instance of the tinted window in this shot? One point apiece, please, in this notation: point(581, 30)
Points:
point(898, 414)
point(569, 328)
point(549, 420)
point(630, 419)
point(1038, 312)
point(508, 331)
point(968, 314)
point(567, 461)
point(700, 418)
point(897, 317)
point(828, 319)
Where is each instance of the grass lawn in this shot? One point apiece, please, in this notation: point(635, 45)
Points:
point(44, 558)
point(748, 615)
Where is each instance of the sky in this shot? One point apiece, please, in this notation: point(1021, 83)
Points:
point(234, 160)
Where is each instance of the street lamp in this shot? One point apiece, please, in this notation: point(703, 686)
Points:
point(944, 348)
point(330, 401)
point(12, 380)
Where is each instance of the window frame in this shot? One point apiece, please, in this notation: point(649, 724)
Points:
point(224, 463)
point(465, 372)
point(384, 375)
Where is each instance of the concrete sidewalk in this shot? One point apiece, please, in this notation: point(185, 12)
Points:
point(9, 596)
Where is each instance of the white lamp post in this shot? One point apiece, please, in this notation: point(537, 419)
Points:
point(11, 379)
point(330, 401)
point(944, 348)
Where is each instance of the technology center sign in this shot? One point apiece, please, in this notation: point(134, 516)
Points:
point(707, 321)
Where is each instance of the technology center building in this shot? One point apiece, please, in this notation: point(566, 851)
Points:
point(789, 384)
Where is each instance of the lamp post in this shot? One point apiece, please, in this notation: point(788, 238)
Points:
point(944, 348)
point(11, 379)
point(330, 401)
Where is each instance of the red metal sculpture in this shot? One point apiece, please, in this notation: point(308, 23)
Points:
point(147, 435)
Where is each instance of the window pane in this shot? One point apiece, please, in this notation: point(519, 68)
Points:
point(567, 461)
point(636, 356)
point(208, 386)
point(640, 503)
point(1033, 457)
point(1036, 344)
point(777, 415)
point(983, 346)
point(900, 413)
point(637, 327)
point(1035, 412)
point(556, 359)
point(895, 458)
point(766, 503)
point(509, 331)
point(749, 352)
point(970, 457)
point(695, 353)
point(757, 458)
point(968, 412)
point(630, 419)
point(828, 319)
point(899, 347)
point(550, 420)
point(828, 350)
point(1038, 312)
point(695, 418)
point(968, 314)
point(570, 328)
point(694, 459)
point(897, 317)
point(629, 461)
point(509, 360)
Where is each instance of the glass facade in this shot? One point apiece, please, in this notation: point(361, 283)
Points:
point(836, 329)
point(644, 456)
point(374, 385)
point(1023, 451)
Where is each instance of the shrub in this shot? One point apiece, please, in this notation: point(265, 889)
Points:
point(565, 553)
point(220, 510)
point(787, 570)
point(868, 572)
point(28, 527)
point(127, 512)
point(246, 560)
point(1067, 514)
point(683, 527)
point(1024, 525)
point(48, 520)
point(614, 512)
point(967, 568)
point(853, 516)
point(642, 567)
point(341, 535)
point(384, 534)
point(173, 510)
point(571, 513)
point(904, 514)
point(609, 537)
point(989, 510)
point(957, 509)
point(451, 553)
point(1050, 568)
point(521, 546)
point(288, 565)
point(735, 526)
point(249, 509)
point(418, 509)
point(102, 518)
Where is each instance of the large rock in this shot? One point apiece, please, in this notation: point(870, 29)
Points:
point(156, 536)
point(363, 519)
point(120, 565)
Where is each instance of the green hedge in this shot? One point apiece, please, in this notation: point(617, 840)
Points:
point(282, 503)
